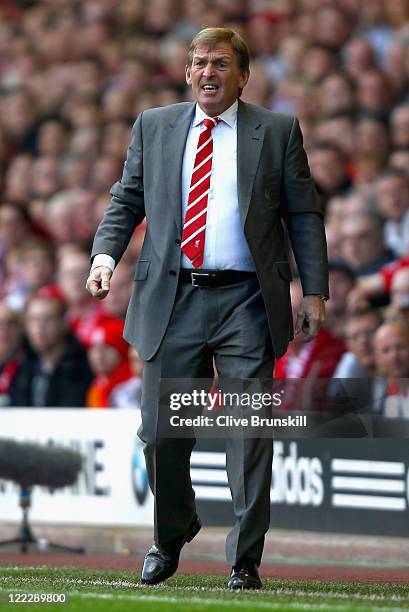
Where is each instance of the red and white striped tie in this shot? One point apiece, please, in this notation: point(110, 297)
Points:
point(194, 227)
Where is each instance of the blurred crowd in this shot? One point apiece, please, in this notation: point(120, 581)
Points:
point(73, 77)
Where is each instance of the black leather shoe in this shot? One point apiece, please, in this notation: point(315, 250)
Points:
point(244, 575)
point(162, 561)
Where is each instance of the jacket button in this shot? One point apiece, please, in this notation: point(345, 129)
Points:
point(172, 273)
point(178, 241)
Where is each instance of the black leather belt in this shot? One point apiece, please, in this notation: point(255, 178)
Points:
point(214, 278)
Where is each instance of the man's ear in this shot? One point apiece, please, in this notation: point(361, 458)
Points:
point(244, 77)
point(188, 76)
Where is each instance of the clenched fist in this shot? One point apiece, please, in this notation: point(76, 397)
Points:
point(99, 281)
point(310, 316)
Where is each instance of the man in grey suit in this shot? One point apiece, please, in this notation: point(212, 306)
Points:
point(217, 180)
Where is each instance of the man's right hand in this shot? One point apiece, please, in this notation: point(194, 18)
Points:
point(99, 281)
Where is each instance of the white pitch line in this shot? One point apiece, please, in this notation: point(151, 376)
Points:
point(264, 605)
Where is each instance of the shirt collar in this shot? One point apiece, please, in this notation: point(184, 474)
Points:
point(229, 116)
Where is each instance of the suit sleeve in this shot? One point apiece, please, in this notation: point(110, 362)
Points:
point(126, 209)
point(304, 218)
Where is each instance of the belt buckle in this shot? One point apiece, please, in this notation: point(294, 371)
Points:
point(196, 276)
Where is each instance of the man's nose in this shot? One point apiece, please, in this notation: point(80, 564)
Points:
point(208, 70)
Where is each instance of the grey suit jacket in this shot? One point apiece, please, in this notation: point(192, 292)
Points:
point(274, 185)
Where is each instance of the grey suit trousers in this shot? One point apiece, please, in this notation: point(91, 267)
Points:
point(228, 324)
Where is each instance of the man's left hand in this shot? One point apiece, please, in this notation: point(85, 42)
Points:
point(310, 316)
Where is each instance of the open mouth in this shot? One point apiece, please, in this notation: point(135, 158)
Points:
point(209, 88)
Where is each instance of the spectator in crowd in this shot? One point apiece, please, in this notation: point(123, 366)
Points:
point(35, 268)
point(15, 228)
point(84, 218)
point(336, 95)
point(328, 165)
point(374, 93)
point(108, 356)
point(60, 217)
point(395, 66)
point(366, 167)
point(83, 312)
point(84, 140)
point(116, 302)
point(115, 138)
point(11, 352)
point(396, 13)
point(392, 200)
point(129, 393)
point(317, 63)
point(359, 360)
point(371, 286)
point(399, 122)
point(341, 282)
point(362, 245)
point(391, 344)
point(55, 371)
point(45, 177)
point(305, 103)
point(317, 358)
point(21, 110)
point(335, 212)
point(337, 130)
point(399, 159)
point(290, 56)
point(333, 242)
point(258, 88)
point(307, 367)
point(374, 27)
point(371, 135)
point(399, 296)
point(333, 26)
point(17, 176)
point(52, 138)
point(358, 57)
point(105, 170)
point(400, 289)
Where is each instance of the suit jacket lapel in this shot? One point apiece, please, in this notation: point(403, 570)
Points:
point(250, 136)
point(174, 147)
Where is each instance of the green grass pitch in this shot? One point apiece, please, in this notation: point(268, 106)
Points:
point(102, 591)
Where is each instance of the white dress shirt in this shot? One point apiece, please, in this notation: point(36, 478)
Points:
point(225, 245)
